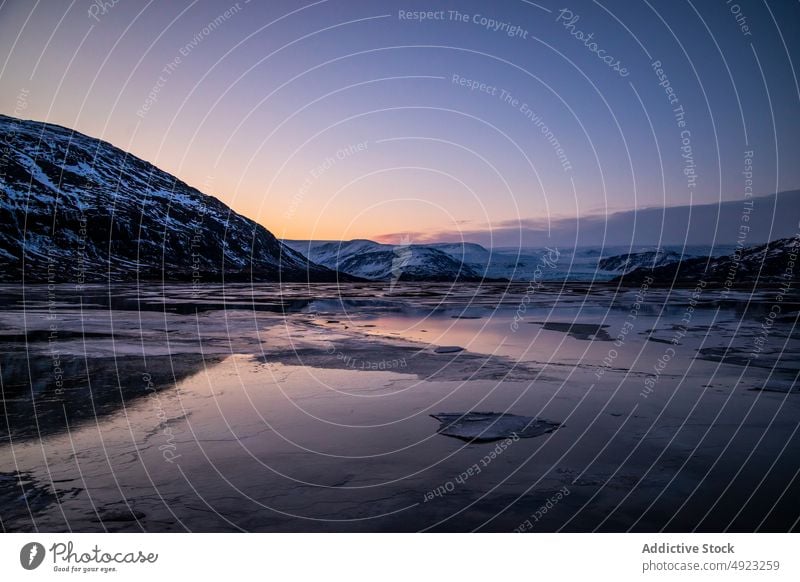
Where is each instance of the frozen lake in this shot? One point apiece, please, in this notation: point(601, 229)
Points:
point(307, 408)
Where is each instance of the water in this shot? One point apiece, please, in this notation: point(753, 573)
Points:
point(306, 408)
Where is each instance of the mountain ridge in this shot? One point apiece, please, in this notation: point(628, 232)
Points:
point(764, 264)
point(387, 262)
point(78, 209)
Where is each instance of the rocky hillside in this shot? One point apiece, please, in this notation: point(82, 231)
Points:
point(628, 262)
point(77, 209)
point(771, 263)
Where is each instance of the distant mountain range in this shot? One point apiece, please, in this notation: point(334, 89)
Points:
point(444, 262)
point(472, 262)
point(77, 209)
point(383, 262)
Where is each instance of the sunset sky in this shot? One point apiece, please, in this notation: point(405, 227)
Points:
point(345, 119)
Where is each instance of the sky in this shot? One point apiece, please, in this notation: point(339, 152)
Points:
point(343, 119)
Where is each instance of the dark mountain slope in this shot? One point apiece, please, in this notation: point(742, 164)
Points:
point(75, 209)
point(771, 263)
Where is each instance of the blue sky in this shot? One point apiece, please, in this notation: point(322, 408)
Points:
point(348, 119)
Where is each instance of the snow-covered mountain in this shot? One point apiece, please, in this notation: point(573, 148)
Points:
point(74, 208)
point(769, 263)
point(626, 263)
point(470, 253)
point(470, 261)
point(384, 262)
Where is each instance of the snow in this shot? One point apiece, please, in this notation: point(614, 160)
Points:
point(491, 426)
point(100, 178)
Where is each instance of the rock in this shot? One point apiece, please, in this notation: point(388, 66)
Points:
point(121, 515)
point(660, 340)
point(491, 426)
point(448, 349)
point(580, 331)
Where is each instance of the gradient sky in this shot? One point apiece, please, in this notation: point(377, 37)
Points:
point(339, 119)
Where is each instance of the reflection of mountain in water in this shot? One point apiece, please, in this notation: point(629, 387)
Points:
point(46, 394)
